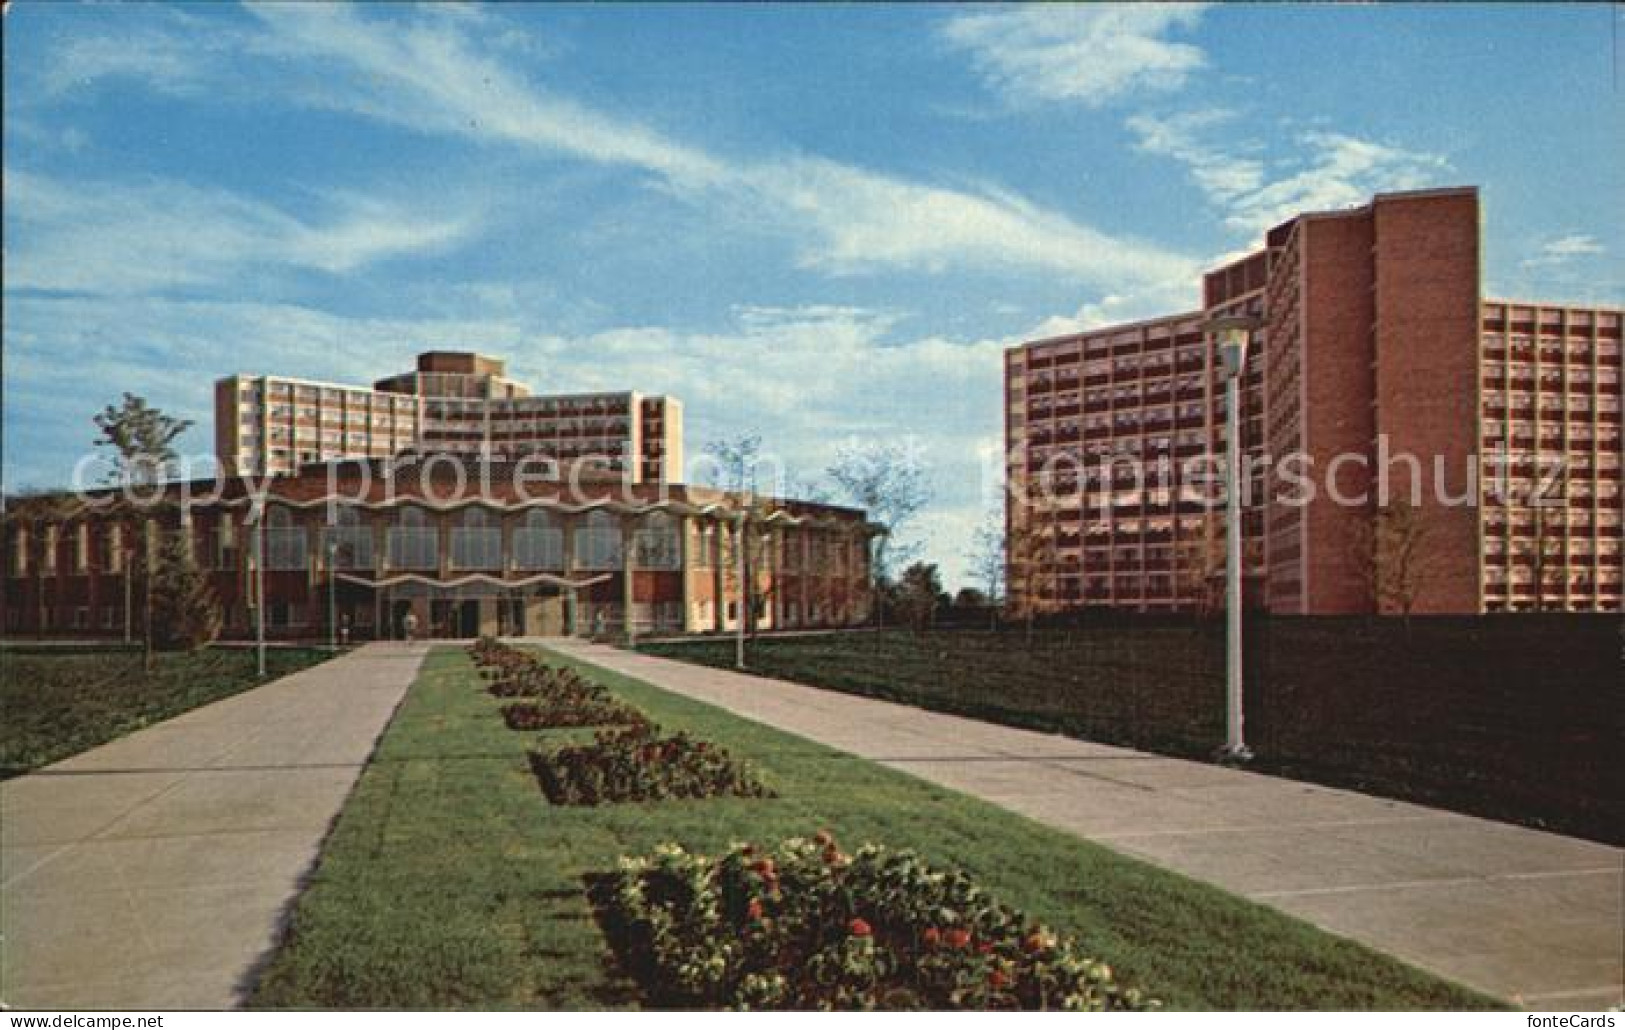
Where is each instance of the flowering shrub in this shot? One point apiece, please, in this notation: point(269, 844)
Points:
point(807, 926)
point(549, 712)
point(638, 764)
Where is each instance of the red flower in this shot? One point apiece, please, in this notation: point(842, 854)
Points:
point(860, 928)
point(1034, 942)
point(958, 938)
point(824, 838)
point(997, 980)
point(754, 909)
point(985, 948)
point(931, 936)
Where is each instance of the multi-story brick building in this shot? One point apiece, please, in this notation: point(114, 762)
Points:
point(357, 545)
point(453, 402)
point(1375, 350)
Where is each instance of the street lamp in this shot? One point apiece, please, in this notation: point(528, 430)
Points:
point(332, 601)
point(1232, 333)
point(743, 570)
point(259, 593)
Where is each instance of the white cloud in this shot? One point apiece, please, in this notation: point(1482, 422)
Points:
point(1324, 171)
point(116, 237)
point(440, 75)
point(1082, 53)
point(1565, 249)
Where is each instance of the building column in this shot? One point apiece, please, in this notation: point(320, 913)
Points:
point(685, 556)
point(567, 535)
point(804, 580)
point(379, 525)
point(774, 565)
point(442, 534)
point(719, 580)
point(628, 565)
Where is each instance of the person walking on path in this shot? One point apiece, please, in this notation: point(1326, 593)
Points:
point(410, 623)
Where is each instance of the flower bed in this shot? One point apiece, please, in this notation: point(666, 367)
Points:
point(546, 713)
point(539, 680)
point(638, 764)
point(807, 926)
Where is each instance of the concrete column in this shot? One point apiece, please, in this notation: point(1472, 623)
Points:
point(629, 525)
point(186, 534)
point(804, 579)
point(441, 521)
point(567, 532)
point(719, 579)
point(685, 526)
point(775, 574)
point(380, 546)
point(505, 527)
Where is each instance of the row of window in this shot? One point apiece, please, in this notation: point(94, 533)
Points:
point(412, 542)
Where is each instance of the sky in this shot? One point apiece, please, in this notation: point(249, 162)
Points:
point(822, 224)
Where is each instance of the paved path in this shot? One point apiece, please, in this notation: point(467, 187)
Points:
point(154, 871)
point(1528, 916)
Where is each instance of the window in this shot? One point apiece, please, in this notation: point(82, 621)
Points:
point(538, 543)
point(476, 543)
point(19, 551)
point(655, 543)
point(413, 542)
point(282, 614)
point(286, 545)
point(347, 542)
point(598, 542)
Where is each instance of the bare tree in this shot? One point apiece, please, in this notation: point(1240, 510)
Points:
point(1034, 565)
point(1395, 557)
point(736, 461)
point(1199, 566)
point(988, 559)
point(1547, 511)
point(888, 482)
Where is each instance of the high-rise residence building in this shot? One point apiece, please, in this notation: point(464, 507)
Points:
point(1377, 362)
point(453, 402)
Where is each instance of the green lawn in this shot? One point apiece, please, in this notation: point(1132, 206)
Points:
point(1510, 717)
point(58, 701)
point(449, 882)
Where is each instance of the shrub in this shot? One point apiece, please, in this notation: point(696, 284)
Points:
point(807, 926)
point(638, 764)
point(547, 714)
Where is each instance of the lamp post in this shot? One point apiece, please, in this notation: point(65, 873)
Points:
point(259, 593)
point(129, 599)
point(742, 565)
point(1233, 332)
point(332, 597)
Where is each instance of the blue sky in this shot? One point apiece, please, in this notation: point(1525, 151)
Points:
point(819, 223)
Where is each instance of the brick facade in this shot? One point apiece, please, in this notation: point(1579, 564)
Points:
point(1374, 344)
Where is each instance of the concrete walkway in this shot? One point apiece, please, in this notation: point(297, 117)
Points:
point(153, 872)
point(1531, 917)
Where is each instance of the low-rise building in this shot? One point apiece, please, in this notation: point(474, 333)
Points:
point(464, 547)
